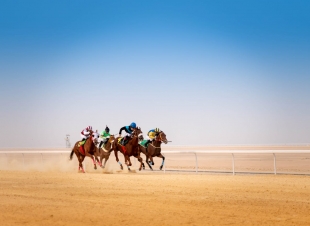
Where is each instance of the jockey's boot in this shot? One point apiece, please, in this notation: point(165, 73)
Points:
point(124, 140)
point(101, 142)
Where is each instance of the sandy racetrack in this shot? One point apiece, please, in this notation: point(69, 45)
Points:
point(70, 198)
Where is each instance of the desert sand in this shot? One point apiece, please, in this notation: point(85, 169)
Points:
point(48, 190)
point(70, 198)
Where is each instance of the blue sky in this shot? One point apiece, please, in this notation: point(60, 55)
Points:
point(205, 72)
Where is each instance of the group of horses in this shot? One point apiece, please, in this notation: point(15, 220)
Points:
point(132, 148)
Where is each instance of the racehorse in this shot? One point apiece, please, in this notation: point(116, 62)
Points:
point(89, 148)
point(105, 151)
point(154, 149)
point(132, 148)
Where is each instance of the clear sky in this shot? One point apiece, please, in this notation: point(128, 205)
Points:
point(205, 72)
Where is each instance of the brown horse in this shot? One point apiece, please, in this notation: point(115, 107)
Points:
point(105, 151)
point(89, 148)
point(154, 149)
point(132, 148)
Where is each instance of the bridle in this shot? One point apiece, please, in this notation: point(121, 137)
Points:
point(159, 137)
point(135, 133)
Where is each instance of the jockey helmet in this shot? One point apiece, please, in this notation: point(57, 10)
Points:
point(107, 129)
point(89, 128)
point(157, 130)
point(133, 125)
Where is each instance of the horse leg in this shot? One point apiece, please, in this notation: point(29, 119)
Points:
point(140, 151)
point(127, 161)
point(81, 159)
point(101, 157)
point(92, 157)
point(141, 163)
point(152, 161)
point(143, 166)
point(105, 161)
point(77, 156)
point(117, 159)
point(163, 162)
point(147, 161)
point(97, 160)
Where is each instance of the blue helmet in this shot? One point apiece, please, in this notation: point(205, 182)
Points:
point(133, 125)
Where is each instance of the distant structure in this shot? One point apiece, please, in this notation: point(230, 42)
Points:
point(68, 144)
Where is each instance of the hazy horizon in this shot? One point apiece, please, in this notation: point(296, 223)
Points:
point(205, 72)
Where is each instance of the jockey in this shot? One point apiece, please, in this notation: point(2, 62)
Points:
point(128, 130)
point(104, 136)
point(86, 132)
point(151, 135)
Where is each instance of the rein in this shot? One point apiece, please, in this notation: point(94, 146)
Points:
point(158, 140)
point(105, 150)
point(154, 146)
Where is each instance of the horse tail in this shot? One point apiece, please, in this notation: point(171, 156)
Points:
point(71, 155)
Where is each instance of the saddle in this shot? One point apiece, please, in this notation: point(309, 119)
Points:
point(81, 143)
point(122, 142)
point(143, 143)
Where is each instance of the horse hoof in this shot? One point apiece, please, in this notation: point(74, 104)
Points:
point(161, 167)
point(102, 167)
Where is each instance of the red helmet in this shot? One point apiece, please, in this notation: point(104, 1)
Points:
point(89, 128)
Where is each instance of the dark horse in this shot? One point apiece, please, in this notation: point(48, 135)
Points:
point(105, 151)
point(154, 149)
point(132, 148)
point(89, 148)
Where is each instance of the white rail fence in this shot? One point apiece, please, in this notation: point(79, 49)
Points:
point(195, 155)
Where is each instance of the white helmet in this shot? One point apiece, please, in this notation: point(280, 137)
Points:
point(89, 128)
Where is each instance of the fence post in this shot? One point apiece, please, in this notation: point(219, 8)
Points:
point(274, 164)
point(42, 157)
point(196, 163)
point(233, 163)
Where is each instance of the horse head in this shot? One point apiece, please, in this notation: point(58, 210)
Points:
point(138, 132)
point(162, 137)
point(111, 139)
point(94, 136)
